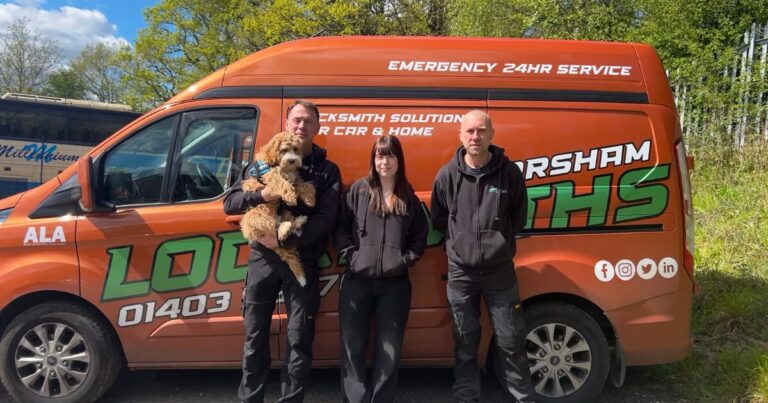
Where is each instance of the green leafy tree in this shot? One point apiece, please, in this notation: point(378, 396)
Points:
point(26, 58)
point(99, 69)
point(188, 39)
point(65, 83)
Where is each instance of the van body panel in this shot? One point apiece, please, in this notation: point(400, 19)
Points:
point(591, 125)
point(37, 254)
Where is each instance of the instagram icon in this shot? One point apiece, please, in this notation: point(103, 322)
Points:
point(625, 269)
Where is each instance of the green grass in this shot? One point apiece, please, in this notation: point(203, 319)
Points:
point(729, 362)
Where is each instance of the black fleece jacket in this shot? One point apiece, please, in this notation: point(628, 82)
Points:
point(326, 177)
point(480, 214)
point(375, 246)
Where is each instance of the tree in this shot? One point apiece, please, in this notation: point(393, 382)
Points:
point(99, 68)
point(26, 58)
point(65, 83)
point(186, 40)
point(508, 18)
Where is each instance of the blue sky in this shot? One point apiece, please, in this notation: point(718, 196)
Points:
point(74, 23)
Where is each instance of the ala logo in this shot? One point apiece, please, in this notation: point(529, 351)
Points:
point(626, 269)
point(39, 236)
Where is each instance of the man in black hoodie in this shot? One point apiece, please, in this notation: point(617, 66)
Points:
point(479, 202)
point(267, 274)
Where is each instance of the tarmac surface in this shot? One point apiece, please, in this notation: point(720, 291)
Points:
point(414, 386)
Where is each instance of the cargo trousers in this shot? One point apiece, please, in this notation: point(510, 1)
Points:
point(267, 276)
point(385, 303)
point(500, 291)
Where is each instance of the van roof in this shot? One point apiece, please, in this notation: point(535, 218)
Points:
point(474, 68)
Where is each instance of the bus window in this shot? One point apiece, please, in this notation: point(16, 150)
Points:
point(38, 139)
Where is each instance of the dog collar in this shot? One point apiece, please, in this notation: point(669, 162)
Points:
point(258, 169)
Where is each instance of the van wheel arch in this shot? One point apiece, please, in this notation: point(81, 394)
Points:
point(59, 350)
point(29, 301)
point(23, 303)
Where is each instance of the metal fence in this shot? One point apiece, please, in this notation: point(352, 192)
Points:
point(737, 105)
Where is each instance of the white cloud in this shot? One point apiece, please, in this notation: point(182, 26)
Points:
point(28, 3)
point(71, 27)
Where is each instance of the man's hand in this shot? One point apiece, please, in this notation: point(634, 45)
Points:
point(268, 195)
point(270, 241)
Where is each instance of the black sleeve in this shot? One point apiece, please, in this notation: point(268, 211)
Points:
point(323, 218)
point(439, 208)
point(237, 201)
point(520, 200)
point(417, 235)
point(343, 240)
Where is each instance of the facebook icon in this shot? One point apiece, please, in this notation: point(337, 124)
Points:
point(604, 271)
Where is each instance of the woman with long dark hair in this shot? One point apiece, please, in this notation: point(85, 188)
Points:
point(382, 231)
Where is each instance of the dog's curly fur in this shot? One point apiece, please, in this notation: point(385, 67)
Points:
point(282, 153)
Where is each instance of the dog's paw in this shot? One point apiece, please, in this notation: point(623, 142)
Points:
point(299, 222)
point(283, 230)
point(309, 199)
point(290, 199)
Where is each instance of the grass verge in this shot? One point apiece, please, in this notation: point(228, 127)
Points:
point(729, 362)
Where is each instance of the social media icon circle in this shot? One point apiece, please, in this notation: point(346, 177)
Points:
point(604, 271)
point(625, 269)
point(646, 269)
point(668, 267)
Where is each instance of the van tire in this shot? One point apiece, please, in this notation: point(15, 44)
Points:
point(566, 317)
point(95, 362)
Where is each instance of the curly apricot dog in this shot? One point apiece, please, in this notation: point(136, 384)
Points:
point(284, 159)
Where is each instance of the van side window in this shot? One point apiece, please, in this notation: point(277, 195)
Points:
point(214, 145)
point(134, 170)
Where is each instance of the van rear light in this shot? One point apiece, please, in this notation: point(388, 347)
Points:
point(685, 190)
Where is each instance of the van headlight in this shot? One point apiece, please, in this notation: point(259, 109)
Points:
point(4, 214)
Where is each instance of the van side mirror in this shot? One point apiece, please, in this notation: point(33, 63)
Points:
point(87, 200)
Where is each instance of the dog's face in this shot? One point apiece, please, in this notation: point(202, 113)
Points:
point(284, 150)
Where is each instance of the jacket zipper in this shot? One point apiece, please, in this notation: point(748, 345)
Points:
point(379, 268)
point(477, 220)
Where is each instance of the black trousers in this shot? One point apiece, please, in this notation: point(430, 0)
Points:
point(267, 275)
point(386, 302)
point(502, 296)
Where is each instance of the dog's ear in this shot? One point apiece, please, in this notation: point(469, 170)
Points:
point(270, 152)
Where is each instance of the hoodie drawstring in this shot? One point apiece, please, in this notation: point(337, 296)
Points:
point(498, 189)
point(455, 203)
point(362, 231)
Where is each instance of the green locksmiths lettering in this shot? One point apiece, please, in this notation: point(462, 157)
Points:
point(639, 187)
point(567, 202)
point(116, 286)
point(227, 270)
point(536, 193)
point(163, 280)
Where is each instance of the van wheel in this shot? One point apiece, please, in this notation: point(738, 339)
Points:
point(58, 352)
point(567, 353)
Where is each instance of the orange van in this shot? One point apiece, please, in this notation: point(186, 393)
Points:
point(127, 257)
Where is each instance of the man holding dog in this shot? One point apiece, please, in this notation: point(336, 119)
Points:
point(479, 202)
point(267, 274)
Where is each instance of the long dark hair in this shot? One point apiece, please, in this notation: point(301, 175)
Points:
point(388, 145)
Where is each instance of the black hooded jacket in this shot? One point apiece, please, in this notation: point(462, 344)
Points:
point(326, 177)
point(480, 214)
point(375, 246)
